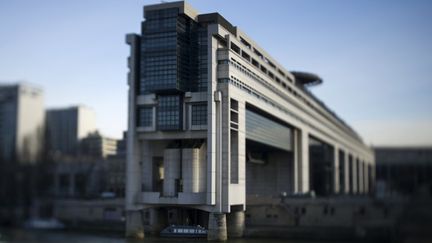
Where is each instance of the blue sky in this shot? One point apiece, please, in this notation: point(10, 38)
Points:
point(375, 56)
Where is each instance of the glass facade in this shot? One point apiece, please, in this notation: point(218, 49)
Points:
point(169, 112)
point(174, 53)
point(159, 51)
point(145, 116)
point(264, 130)
point(199, 115)
point(202, 59)
point(173, 60)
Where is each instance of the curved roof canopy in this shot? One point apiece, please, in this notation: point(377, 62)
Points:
point(307, 79)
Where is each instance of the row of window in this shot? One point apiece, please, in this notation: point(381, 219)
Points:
point(241, 85)
point(159, 67)
point(256, 77)
point(255, 63)
point(158, 24)
point(169, 114)
point(160, 71)
point(245, 55)
point(162, 13)
point(160, 35)
point(152, 44)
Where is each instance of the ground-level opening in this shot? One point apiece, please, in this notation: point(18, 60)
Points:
point(321, 169)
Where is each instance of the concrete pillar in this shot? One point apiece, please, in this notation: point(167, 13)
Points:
point(360, 176)
point(346, 176)
point(373, 178)
point(190, 170)
point(194, 169)
point(366, 177)
point(236, 224)
point(134, 224)
point(172, 172)
point(336, 168)
point(217, 228)
point(354, 176)
point(158, 220)
point(301, 161)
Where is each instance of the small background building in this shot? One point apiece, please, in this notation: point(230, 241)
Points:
point(401, 171)
point(98, 146)
point(66, 127)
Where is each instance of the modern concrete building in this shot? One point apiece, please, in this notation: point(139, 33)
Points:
point(216, 123)
point(402, 171)
point(22, 120)
point(98, 146)
point(66, 127)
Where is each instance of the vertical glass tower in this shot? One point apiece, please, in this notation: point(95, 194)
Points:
point(173, 61)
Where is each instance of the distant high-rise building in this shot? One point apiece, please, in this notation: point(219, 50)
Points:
point(98, 146)
point(66, 127)
point(21, 123)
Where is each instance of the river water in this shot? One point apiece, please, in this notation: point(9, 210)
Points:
point(35, 236)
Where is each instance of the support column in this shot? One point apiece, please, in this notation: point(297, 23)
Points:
point(360, 176)
point(346, 176)
point(134, 219)
point(134, 224)
point(158, 221)
point(217, 229)
point(354, 176)
point(366, 177)
point(301, 161)
point(373, 177)
point(236, 224)
point(336, 187)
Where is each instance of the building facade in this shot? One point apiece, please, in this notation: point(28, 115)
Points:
point(22, 120)
point(66, 127)
point(216, 123)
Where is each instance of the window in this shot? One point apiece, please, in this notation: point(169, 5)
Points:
point(255, 63)
point(199, 114)
point(145, 116)
point(169, 110)
point(235, 48)
point(245, 43)
point(245, 55)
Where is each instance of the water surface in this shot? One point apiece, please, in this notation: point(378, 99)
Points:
point(42, 236)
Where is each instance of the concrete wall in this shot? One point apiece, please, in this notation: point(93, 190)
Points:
point(273, 178)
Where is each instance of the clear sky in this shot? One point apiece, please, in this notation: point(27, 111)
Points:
point(375, 56)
